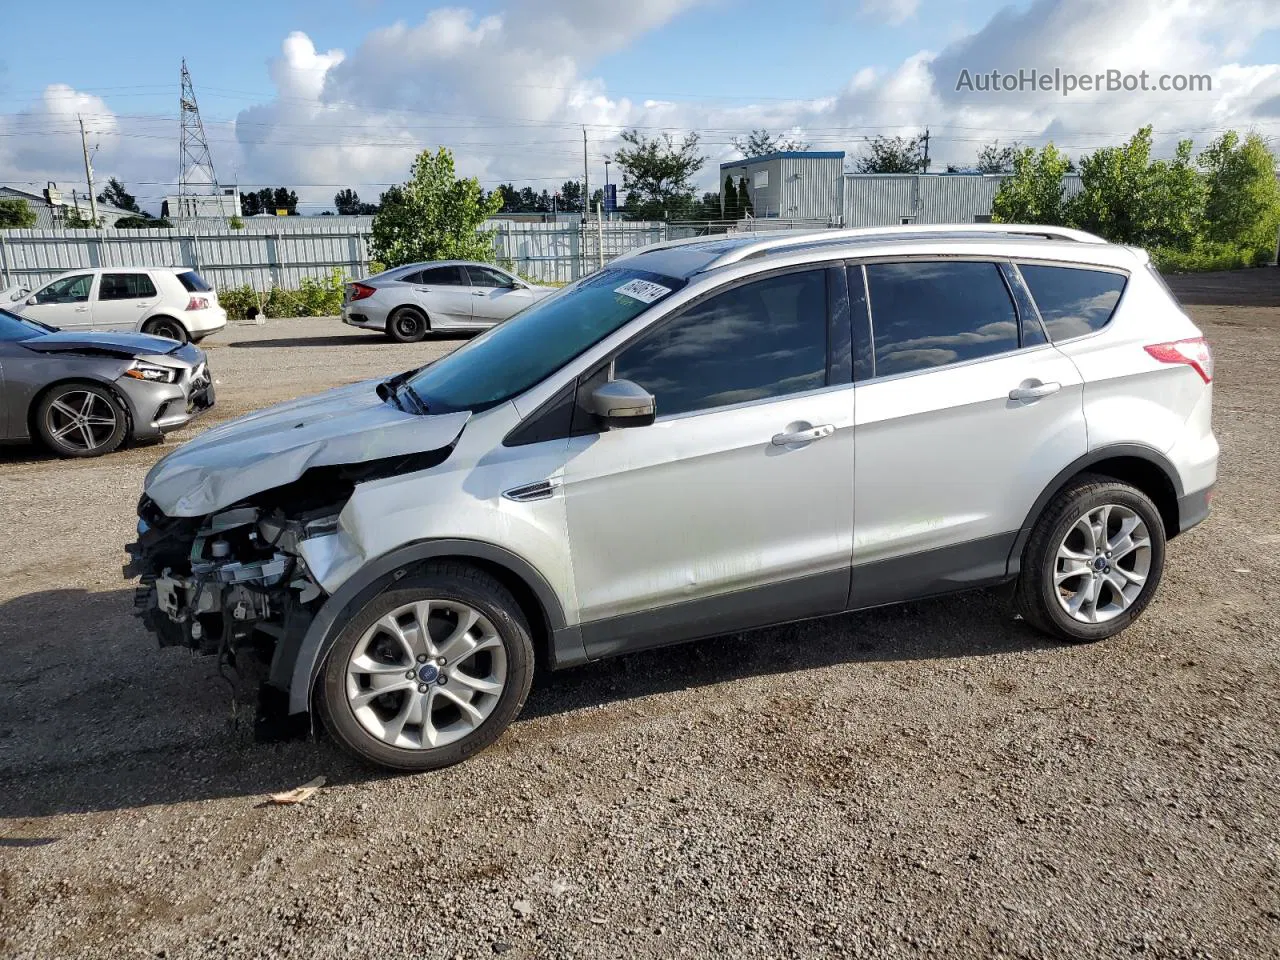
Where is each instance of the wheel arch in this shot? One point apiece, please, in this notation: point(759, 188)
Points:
point(415, 308)
point(537, 600)
point(1142, 467)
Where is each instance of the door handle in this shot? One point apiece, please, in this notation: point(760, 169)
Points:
point(1033, 390)
point(478, 293)
point(803, 436)
point(82, 309)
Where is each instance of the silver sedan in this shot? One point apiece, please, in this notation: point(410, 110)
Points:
point(410, 301)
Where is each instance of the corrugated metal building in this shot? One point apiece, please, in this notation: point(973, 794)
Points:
point(883, 199)
point(792, 184)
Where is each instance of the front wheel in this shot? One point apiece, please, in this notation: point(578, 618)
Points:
point(81, 420)
point(167, 327)
point(1093, 562)
point(429, 672)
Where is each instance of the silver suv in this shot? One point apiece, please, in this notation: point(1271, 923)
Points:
point(705, 437)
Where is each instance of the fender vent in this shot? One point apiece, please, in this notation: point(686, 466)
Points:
point(541, 490)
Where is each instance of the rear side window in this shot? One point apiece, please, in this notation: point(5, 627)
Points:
point(1073, 301)
point(929, 314)
point(767, 338)
point(441, 277)
point(125, 286)
point(192, 282)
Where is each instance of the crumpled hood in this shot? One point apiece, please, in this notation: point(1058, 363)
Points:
point(276, 446)
point(124, 344)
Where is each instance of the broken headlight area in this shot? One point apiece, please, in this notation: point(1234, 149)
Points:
point(230, 581)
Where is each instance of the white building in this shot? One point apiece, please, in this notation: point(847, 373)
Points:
point(222, 205)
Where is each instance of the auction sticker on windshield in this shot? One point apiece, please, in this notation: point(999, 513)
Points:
point(643, 290)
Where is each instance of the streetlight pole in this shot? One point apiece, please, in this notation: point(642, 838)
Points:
point(607, 161)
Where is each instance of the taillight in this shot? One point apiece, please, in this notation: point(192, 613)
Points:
point(1194, 353)
point(361, 290)
point(198, 303)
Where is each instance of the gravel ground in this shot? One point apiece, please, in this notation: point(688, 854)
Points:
point(930, 780)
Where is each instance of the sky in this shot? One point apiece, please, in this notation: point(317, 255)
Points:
point(327, 94)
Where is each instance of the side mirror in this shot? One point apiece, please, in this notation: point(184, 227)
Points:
point(621, 403)
point(31, 301)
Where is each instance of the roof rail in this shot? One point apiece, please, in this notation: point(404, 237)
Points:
point(780, 240)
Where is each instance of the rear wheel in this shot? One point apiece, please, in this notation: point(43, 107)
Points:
point(166, 327)
point(429, 672)
point(407, 325)
point(81, 420)
point(1093, 562)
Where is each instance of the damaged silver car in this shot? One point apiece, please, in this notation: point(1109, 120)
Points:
point(703, 438)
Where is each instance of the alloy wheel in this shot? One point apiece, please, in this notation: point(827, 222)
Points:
point(426, 674)
point(1102, 564)
point(82, 420)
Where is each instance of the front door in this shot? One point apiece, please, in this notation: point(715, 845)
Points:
point(733, 509)
point(965, 413)
point(64, 303)
point(445, 294)
point(122, 300)
point(495, 296)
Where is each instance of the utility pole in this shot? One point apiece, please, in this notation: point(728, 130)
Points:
point(926, 151)
point(88, 173)
point(586, 181)
point(607, 161)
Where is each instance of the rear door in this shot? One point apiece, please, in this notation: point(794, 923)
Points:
point(495, 295)
point(64, 303)
point(964, 413)
point(123, 299)
point(445, 294)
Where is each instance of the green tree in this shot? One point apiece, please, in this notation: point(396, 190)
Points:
point(433, 216)
point(16, 214)
point(285, 199)
point(347, 202)
point(993, 158)
point(893, 155)
point(758, 143)
point(1176, 194)
point(1033, 194)
point(1243, 202)
point(143, 223)
point(744, 199)
point(116, 195)
point(731, 206)
point(510, 198)
point(571, 196)
point(658, 172)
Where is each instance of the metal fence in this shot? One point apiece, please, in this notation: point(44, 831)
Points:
point(263, 257)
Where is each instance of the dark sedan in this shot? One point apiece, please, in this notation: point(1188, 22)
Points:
point(84, 394)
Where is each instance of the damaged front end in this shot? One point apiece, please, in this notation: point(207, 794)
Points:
point(230, 581)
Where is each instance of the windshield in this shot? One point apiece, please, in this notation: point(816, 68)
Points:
point(539, 340)
point(14, 327)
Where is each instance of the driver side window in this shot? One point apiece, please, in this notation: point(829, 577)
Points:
point(766, 338)
point(67, 290)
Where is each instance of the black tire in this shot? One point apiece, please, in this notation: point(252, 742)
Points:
point(445, 582)
point(1038, 597)
point(407, 325)
point(167, 327)
point(58, 427)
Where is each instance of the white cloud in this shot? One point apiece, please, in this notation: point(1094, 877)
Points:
point(892, 12)
point(509, 92)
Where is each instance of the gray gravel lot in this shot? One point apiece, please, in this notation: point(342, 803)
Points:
point(924, 781)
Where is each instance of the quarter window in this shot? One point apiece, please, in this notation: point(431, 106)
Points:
point(67, 290)
point(928, 314)
point(1073, 301)
point(125, 286)
point(763, 339)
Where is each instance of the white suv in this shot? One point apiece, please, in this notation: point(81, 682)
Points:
point(173, 302)
point(705, 437)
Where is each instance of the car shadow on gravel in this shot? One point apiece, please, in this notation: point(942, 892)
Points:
point(94, 718)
